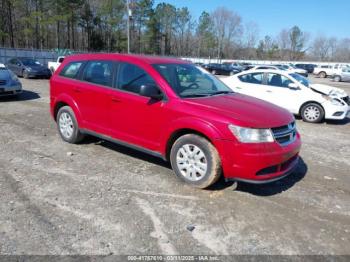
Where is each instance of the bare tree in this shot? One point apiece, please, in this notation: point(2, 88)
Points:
point(227, 26)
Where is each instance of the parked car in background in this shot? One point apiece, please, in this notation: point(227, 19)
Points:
point(9, 83)
point(238, 66)
point(313, 102)
point(175, 110)
point(221, 69)
point(258, 67)
point(324, 71)
point(28, 68)
point(54, 65)
point(343, 75)
point(292, 69)
point(308, 67)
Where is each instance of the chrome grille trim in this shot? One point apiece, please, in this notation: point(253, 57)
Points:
point(285, 135)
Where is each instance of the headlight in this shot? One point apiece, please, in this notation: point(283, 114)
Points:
point(250, 135)
point(334, 101)
point(28, 69)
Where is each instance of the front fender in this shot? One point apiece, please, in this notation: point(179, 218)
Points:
point(189, 123)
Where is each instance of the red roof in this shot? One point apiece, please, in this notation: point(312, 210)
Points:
point(125, 57)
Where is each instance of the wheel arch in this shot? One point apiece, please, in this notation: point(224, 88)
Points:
point(310, 102)
point(179, 133)
point(65, 100)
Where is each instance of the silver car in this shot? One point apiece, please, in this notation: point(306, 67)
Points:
point(9, 83)
point(342, 75)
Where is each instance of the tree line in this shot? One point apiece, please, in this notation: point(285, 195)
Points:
point(162, 29)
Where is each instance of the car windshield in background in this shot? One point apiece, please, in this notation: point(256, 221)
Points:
point(188, 80)
point(4, 73)
point(30, 62)
point(301, 79)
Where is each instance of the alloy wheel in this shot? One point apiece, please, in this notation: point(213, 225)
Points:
point(66, 125)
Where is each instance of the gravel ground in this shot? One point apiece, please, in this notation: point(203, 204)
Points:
point(99, 198)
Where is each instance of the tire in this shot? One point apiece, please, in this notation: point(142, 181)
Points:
point(25, 74)
point(232, 73)
point(337, 79)
point(67, 126)
point(213, 72)
point(322, 75)
point(195, 161)
point(312, 113)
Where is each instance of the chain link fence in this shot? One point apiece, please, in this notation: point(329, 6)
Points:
point(43, 56)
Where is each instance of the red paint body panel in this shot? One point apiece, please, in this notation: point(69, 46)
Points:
point(136, 120)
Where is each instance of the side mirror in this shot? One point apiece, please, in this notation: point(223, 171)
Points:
point(293, 86)
point(151, 91)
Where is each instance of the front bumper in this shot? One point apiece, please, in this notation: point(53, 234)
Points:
point(258, 163)
point(334, 112)
point(39, 74)
point(10, 90)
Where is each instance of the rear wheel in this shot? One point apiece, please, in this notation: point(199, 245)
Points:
point(195, 161)
point(68, 126)
point(213, 72)
point(312, 113)
point(337, 78)
point(322, 74)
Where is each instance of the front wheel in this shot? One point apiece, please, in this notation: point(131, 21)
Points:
point(195, 161)
point(213, 72)
point(312, 113)
point(68, 126)
point(337, 78)
point(25, 74)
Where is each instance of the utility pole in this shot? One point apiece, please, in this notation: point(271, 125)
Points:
point(128, 23)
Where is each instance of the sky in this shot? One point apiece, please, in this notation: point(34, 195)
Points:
point(317, 17)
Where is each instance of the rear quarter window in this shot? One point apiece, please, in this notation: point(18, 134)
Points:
point(71, 70)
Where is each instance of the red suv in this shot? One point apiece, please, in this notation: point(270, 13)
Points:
point(175, 110)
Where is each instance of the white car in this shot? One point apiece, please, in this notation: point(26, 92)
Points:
point(313, 102)
point(283, 67)
point(292, 69)
point(324, 71)
point(54, 65)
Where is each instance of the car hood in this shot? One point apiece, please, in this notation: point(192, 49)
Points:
point(245, 110)
point(328, 90)
point(37, 67)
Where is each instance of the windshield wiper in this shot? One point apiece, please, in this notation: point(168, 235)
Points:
point(195, 95)
point(221, 93)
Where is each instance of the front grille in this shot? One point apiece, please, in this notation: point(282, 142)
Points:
point(2, 82)
point(285, 135)
point(347, 100)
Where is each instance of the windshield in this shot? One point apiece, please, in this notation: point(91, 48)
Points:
point(301, 79)
point(188, 80)
point(30, 62)
point(4, 74)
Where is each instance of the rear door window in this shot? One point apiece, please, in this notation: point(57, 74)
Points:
point(99, 72)
point(253, 78)
point(278, 80)
point(71, 70)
